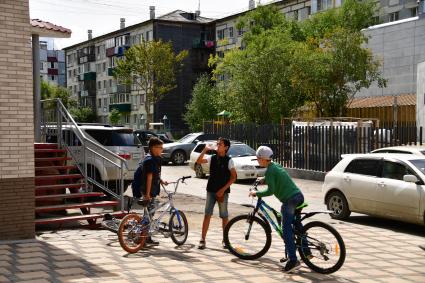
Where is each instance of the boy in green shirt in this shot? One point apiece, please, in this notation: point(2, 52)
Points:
point(282, 187)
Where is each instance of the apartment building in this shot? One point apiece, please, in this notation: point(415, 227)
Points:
point(52, 65)
point(90, 64)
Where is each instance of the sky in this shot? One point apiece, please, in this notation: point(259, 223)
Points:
point(103, 16)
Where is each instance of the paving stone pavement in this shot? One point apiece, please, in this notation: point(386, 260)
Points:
point(373, 255)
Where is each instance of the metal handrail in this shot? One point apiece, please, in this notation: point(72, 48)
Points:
point(62, 113)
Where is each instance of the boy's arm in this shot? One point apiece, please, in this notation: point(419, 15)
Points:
point(232, 179)
point(148, 185)
point(201, 158)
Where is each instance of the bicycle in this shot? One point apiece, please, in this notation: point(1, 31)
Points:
point(135, 228)
point(319, 245)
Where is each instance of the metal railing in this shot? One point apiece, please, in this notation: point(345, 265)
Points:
point(102, 169)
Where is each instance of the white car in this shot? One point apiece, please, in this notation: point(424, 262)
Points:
point(243, 157)
point(381, 184)
point(405, 149)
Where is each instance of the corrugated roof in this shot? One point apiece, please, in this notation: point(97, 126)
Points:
point(179, 16)
point(383, 101)
point(49, 26)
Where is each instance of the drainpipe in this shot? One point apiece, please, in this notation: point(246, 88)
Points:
point(36, 86)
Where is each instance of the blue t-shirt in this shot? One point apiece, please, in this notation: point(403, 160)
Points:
point(152, 164)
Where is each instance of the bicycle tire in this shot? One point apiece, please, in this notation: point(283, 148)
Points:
point(138, 239)
point(174, 231)
point(261, 228)
point(324, 253)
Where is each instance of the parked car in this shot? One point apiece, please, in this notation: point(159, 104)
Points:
point(382, 184)
point(178, 152)
point(164, 137)
point(243, 156)
point(145, 135)
point(119, 140)
point(406, 149)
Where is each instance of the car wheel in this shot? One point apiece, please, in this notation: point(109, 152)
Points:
point(337, 203)
point(199, 172)
point(178, 157)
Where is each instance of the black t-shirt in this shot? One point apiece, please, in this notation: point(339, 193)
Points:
point(152, 164)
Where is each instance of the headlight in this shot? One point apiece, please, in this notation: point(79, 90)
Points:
point(247, 167)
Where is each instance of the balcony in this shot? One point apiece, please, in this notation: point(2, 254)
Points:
point(120, 50)
point(52, 72)
point(198, 43)
point(123, 88)
point(89, 76)
point(110, 52)
point(111, 71)
point(83, 93)
point(121, 107)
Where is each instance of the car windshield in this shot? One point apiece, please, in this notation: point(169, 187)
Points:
point(419, 163)
point(239, 150)
point(114, 138)
point(188, 138)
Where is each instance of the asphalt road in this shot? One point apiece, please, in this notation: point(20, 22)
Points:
point(240, 190)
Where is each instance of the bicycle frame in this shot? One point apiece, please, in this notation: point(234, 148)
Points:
point(264, 208)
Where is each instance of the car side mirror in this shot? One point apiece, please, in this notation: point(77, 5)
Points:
point(410, 178)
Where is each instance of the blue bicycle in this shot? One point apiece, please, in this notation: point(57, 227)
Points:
point(319, 245)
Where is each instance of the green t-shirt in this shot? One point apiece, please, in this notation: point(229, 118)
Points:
point(278, 183)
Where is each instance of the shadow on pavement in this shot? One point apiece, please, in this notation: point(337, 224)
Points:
point(394, 225)
point(179, 253)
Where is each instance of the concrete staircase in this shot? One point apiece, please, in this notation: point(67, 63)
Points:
point(60, 192)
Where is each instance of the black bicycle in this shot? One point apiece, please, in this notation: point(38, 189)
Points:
point(319, 245)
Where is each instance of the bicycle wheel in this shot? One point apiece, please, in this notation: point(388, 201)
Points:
point(247, 237)
point(131, 234)
point(323, 250)
point(179, 229)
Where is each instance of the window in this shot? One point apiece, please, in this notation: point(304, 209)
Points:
point(99, 103)
point(240, 32)
point(393, 170)
point(104, 84)
point(52, 65)
point(220, 34)
point(324, 5)
point(41, 66)
point(393, 17)
point(104, 67)
point(230, 31)
point(53, 78)
point(99, 84)
point(148, 35)
point(368, 167)
point(199, 148)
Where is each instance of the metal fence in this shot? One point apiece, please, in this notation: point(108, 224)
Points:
point(316, 148)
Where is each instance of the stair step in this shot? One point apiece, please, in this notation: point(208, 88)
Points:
point(76, 205)
point(45, 145)
point(60, 186)
point(50, 150)
point(49, 220)
point(64, 167)
point(69, 196)
point(58, 177)
point(52, 159)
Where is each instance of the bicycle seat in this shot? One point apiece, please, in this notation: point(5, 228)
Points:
point(301, 206)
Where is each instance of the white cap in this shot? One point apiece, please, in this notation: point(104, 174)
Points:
point(264, 152)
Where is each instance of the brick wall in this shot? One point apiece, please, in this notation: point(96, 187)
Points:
point(16, 122)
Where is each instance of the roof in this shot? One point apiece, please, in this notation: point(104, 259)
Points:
point(47, 29)
point(174, 16)
point(399, 156)
point(178, 16)
point(383, 101)
point(238, 14)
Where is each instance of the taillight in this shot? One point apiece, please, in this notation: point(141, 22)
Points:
point(126, 156)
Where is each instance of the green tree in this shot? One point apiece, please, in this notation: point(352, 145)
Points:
point(83, 114)
point(332, 64)
point(152, 67)
point(51, 91)
point(114, 117)
point(202, 106)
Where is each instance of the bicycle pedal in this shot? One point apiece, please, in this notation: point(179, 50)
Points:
point(283, 259)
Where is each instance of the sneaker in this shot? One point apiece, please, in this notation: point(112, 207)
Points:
point(223, 244)
point(151, 241)
point(292, 265)
point(202, 245)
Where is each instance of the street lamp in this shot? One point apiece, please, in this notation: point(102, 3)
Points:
point(164, 119)
point(142, 120)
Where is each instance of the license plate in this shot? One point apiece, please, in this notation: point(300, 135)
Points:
point(136, 155)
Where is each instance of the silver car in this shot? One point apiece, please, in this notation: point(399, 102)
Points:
point(178, 152)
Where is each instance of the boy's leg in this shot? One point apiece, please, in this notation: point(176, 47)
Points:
point(209, 209)
point(288, 211)
point(224, 214)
